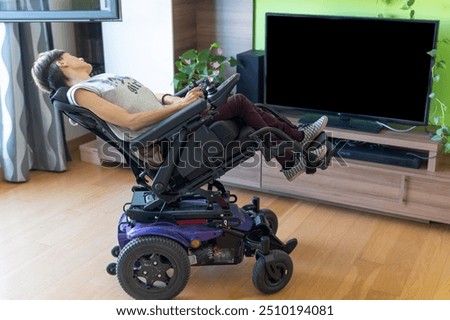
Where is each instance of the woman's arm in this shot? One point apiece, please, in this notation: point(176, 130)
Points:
point(114, 114)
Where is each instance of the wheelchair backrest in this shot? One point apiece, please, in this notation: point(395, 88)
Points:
point(88, 120)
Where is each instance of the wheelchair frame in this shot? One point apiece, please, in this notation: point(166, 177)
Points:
point(169, 227)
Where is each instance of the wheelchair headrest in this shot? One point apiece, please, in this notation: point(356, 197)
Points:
point(59, 95)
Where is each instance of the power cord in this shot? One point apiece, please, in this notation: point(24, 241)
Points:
point(393, 129)
point(421, 157)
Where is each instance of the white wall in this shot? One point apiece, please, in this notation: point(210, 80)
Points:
point(141, 45)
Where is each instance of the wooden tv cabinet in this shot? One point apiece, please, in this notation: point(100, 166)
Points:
point(419, 194)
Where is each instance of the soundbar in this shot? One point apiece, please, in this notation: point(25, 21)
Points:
point(378, 153)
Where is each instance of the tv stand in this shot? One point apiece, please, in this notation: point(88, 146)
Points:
point(344, 122)
point(417, 194)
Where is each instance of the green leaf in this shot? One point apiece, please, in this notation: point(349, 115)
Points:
point(201, 66)
point(214, 45)
point(441, 64)
point(180, 80)
point(410, 2)
point(411, 14)
point(180, 76)
point(190, 54)
point(188, 69)
point(176, 84)
point(447, 147)
point(233, 62)
point(203, 56)
point(436, 138)
point(432, 53)
point(388, 2)
point(436, 120)
point(214, 58)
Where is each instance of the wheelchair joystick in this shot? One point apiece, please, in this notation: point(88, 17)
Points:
point(210, 88)
point(218, 96)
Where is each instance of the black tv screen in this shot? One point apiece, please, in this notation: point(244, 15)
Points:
point(373, 68)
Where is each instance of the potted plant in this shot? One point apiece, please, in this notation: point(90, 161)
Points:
point(193, 65)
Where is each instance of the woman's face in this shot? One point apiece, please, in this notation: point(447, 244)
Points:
point(74, 63)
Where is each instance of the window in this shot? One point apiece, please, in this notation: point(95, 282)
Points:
point(59, 10)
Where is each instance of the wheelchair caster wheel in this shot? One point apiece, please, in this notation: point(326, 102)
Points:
point(272, 272)
point(115, 251)
point(111, 268)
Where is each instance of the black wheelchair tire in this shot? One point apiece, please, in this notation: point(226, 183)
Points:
point(153, 268)
point(281, 265)
point(112, 268)
point(115, 251)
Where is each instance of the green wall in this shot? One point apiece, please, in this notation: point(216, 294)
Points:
point(424, 9)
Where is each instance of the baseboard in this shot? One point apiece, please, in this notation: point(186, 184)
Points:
point(74, 144)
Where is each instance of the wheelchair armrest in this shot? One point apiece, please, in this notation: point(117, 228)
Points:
point(171, 124)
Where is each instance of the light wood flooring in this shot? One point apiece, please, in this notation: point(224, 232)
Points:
point(58, 229)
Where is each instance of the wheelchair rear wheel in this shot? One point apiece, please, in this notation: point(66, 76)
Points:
point(272, 272)
point(153, 268)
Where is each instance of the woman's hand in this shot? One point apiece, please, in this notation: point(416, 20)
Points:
point(192, 96)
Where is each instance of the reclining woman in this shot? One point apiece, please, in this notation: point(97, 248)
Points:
point(130, 108)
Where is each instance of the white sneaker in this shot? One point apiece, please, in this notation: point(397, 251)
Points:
point(312, 130)
point(315, 155)
point(300, 164)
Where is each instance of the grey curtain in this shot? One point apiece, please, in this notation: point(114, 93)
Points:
point(31, 131)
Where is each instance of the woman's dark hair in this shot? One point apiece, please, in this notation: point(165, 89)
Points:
point(46, 73)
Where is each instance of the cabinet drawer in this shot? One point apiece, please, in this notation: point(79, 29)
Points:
point(428, 199)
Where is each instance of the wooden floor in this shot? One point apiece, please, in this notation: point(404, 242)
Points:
point(58, 229)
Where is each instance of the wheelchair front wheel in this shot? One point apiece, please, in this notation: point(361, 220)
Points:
point(153, 267)
point(272, 272)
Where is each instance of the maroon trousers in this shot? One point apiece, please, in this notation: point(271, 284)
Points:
point(238, 106)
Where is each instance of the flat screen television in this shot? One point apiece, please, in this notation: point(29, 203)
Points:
point(350, 68)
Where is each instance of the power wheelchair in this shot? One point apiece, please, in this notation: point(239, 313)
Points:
point(180, 215)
